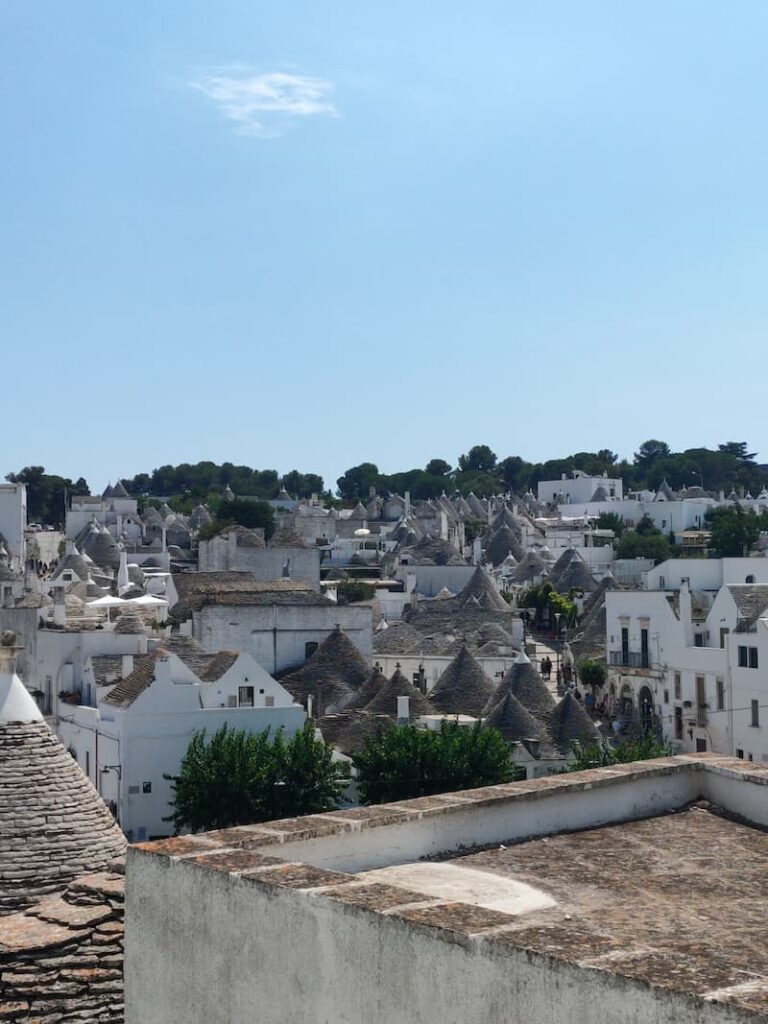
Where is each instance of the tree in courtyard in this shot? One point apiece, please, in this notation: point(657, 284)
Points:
point(406, 761)
point(735, 530)
point(238, 777)
point(592, 673)
point(611, 521)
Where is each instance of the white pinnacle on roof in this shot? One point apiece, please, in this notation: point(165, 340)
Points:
point(522, 658)
point(16, 705)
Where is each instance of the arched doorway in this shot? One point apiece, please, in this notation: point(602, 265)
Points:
point(645, 709)
point(626, 706)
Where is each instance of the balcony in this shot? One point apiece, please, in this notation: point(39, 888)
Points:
point(629, 659)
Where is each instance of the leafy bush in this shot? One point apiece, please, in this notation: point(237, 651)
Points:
point(599, 755)
point(349, 591)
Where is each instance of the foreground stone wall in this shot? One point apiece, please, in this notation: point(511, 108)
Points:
point(266, 923)
point(61, 960)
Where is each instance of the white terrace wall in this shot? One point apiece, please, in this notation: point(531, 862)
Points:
point(206, 945)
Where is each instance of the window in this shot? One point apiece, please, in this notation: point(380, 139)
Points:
point(755, 723)
point(750, 579)
point(88, 763)
point(701, 701)
point(720, 695)
point(269, 702)
point(662, 583)
point(678, 687)
point(740, 753)
point(678, 723)
point(146, 787)
point(309, 649)
point(624, 645)
point(747, 657)
point(245, 696)
point(723, 634)
point(701, 746)
point(666, 696)
point(701, 694)
point(750, 757)
point(644, 656)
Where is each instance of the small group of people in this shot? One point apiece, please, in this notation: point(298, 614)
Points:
point(545, 667)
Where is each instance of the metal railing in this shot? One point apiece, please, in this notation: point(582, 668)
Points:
point(629, 659)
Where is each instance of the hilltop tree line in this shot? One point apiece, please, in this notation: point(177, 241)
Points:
point(731, 466)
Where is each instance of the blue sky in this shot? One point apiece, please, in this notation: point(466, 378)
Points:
point(304, 235)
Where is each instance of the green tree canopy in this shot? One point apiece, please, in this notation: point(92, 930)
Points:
point(239, 777)
point(611, 521)
point(437, 467)
point(46, 494)
point(650, 452)
point(637, 545)
point(479, 459)
point(735, 530)
point(357, 481)
point(407, 761)
point(251, 514)
point(592, 672)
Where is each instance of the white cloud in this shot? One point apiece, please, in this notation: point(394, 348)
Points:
point(262, 104)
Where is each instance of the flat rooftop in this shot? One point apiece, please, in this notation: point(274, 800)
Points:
point(654, 873)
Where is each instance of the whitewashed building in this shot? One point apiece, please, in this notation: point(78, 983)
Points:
point(690, 656)
point(146, 712)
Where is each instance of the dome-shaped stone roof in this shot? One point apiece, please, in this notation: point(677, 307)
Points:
point(51, 817)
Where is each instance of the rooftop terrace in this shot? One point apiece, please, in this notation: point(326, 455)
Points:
point(642, 886)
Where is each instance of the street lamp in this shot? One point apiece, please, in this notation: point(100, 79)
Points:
point(558, 617)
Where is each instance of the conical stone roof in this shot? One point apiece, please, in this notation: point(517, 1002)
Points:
point(503, 542)
point(332, 673)
point(477, 507)
point(569, 723)
point(463, 688)
point(506, 517)
point(564, 559)
point(360, 698)
point(385, 701)
point(100, 546)
point(531, 565)
point(481, 589)
point(526, 684)
point(75, 563)
point(576, 577)
point(51, 818)
point(514, 721)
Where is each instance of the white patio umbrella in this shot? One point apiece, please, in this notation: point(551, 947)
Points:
point(108, 601)
point(146, 601)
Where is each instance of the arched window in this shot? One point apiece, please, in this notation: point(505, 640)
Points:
point(309, 649)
